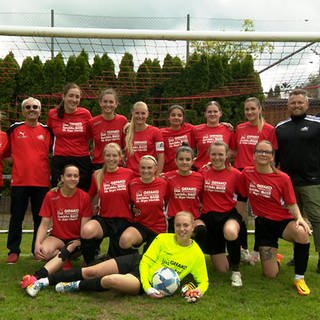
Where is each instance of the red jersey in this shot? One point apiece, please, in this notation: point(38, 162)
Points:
point(66, 213)
point(183, 192)
point(105, 131)
point(29, 148)
point(149, 201)
point(3, 150)
point(268, 193)
point(245, 139)
point(148, 141)
point(204, 136)
point(70, 132)
point(220, 189)
point(114, 193)
point(173, 139)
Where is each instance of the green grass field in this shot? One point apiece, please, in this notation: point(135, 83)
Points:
point(259, 298)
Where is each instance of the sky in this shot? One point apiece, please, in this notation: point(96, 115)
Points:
point(268, 15)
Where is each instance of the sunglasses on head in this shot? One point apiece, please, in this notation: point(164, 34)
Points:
point(33, 107)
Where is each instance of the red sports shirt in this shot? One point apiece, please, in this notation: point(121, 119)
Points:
point(204, 136)
point(149, 201)
point(70, 132)
point(148, 141)
point(3, 151)
point(173, 139)
point(220, 189)
point(245, 139)
point(29, 147)
point(183, 192)
point(268, 193)
point(114, 193)
point(66, 213)
point(105, 131)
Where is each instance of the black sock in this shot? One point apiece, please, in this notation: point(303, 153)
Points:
point(91, 285)
point(73, 274)
point(200, 236)
point(233, 248)
point(89, 248)
point(42, 273)
point(243, 235)
point(301, 257)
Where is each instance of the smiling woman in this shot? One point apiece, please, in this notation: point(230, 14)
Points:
point(69, 124)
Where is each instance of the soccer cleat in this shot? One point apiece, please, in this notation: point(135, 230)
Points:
point(236, 280)
point(301, 287)
point(12, 258)
point(33, 289)
point(245, 256)
point(279, 259)
point(67, 286)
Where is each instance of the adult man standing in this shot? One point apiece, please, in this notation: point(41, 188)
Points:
point(299, 156)
point(29, 142)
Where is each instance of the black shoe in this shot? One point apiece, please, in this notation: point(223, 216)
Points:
point(318, 266)
point(290, 263)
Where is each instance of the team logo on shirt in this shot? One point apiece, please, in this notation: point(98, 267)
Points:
point(140, 146)
point(40, 137)
point(215, 186)
point(175, 142)
point(185, 192)
point(22, 134)
point(259, 189)
point(210, 138)
point(110, 135)
point(67, 214)
point(304, 129)
point(72, 127)
point(148, 196)
point(249, 139)
point(113, 186)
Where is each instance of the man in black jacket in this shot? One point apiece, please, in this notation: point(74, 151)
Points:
point(299, 156)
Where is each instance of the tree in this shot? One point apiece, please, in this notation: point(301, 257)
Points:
point(30, 77)
point(127, 75)
point(233, 49)
point(78, 68)
point(9, 69)
point(54, 74)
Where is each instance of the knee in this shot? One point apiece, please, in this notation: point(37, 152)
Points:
point(125, 241)
point(109, 282)
point(302, 236)
point(89, 273)
point(230, 234)
point(88, 231)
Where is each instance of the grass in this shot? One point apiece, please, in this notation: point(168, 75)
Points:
point(259, 298)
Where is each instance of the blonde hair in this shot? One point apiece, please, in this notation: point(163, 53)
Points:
point(219, 143)
point(261, 120)
point(149, 157)
point(186, 214)
point(99, 174)
point(132, 128)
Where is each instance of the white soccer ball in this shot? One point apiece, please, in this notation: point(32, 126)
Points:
point(166, 281)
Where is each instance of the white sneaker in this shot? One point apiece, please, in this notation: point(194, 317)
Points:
point(245, 256)
point(236, 279)
point(33, 289)
point(67, 286)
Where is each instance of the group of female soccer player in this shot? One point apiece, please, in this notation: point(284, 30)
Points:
point(159, 186)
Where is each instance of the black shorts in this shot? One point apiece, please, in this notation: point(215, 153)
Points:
point(146, 234)
point(112, 227)
point(215, 242)
point(129, 264)
point(267, 232)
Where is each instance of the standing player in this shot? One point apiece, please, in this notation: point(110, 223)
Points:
point(177, 134)
point(110, 191)
point(213, 130)
point(106, 127)
point(65, 210)
point(273, 201)
point(247, 135)
point(148, 197)
point(69, 124)
point(143, 139)
point(220, 216)
point(184, 187)
point(3, 151)
point(299, 156)
point(30, 142)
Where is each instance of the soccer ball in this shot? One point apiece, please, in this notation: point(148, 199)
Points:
point(166, 281)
